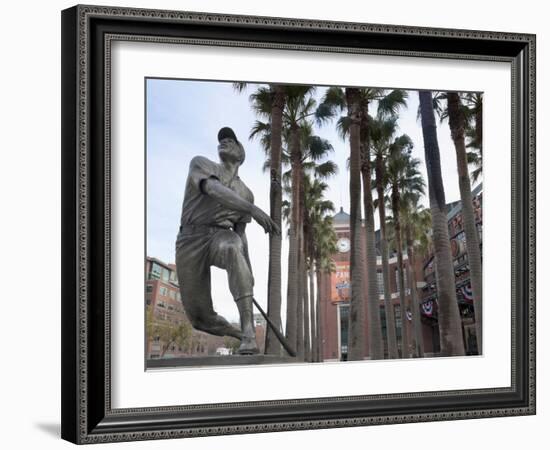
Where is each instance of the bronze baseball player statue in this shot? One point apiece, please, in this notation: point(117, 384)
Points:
point(216, 208)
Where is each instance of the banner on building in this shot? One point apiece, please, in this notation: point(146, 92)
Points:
point(340, 285)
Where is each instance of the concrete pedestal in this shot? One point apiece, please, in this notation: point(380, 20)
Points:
point(210, 361)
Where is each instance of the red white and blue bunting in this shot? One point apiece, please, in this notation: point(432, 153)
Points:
point(428, 308)
point(466, 291)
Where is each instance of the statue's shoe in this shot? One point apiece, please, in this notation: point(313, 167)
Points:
point(248, 346)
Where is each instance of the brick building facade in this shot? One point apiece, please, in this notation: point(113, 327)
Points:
point(335, 289)
point(462, 275)
point(335, 294)
point(164, 312)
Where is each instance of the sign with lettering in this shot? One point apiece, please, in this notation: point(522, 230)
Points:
point(340, 284)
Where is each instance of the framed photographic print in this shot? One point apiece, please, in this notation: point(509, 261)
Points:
point(248, 199)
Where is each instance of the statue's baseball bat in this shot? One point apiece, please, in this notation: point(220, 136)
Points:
point(281, 338)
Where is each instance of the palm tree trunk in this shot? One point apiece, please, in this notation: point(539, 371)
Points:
point(293, 273)
point(272, 345)
point(479, 127)
point(405, 342)
point(356, 339)
point(305, 295)
point(312, 310)
point(318, 316)
point(300, 309)
point(411, 275)
point(388, 304)
point(450, 325)
point(456, 124)
point(376, 344)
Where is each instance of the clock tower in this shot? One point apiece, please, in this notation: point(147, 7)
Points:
point(336, 292)
point(340, 222)
point(343, 245)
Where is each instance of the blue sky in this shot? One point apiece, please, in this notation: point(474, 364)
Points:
point(183, 119)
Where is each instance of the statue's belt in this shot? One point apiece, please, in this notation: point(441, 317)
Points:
point(200, 229)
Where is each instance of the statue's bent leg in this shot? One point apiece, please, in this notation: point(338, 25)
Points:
point(226, 252)
point(248, 342)
point(194, 282)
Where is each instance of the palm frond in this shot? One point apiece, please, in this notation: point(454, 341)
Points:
point(317, 148)
point(261, 130)
point(261, 101)
point(326, 170)
point(324, 113)
point(342, 127)
point(389, 105)
point(240, 86)
point(334, 98)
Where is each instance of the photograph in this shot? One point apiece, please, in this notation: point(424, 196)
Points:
point(290, 223)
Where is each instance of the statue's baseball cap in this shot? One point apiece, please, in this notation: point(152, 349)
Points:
point(227, 132)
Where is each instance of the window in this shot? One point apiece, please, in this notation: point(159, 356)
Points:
point(344, 326)
point(156, 271)
point(149, 288)
point(404, 278)
point(172, 295)
point(397, 316)
point(380, 282)
point(163, 291)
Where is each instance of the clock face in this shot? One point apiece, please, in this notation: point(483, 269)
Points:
point(343, 245)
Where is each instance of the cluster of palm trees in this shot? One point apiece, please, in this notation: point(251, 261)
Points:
point(286, 132)
point(380, 160)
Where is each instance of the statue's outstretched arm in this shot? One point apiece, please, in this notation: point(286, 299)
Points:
point(232, 200)
point(228, 198)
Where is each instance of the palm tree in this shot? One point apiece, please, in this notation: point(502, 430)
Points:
point(317, 209)
point(404, 180)
point(382, 131)
point(299, 107)
point(357, 125)
point(269, 103)
point(313, 152)
point(324, 247)
point(315, 149)
point(314, 207)
point(356, 340)
point(312, 321)
point(472, 110)
point(376, 343)
point(464, 114)
point(457, 121)
point(338, 99)
point(474, 131)
point(450, 326)
point(417, 223)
